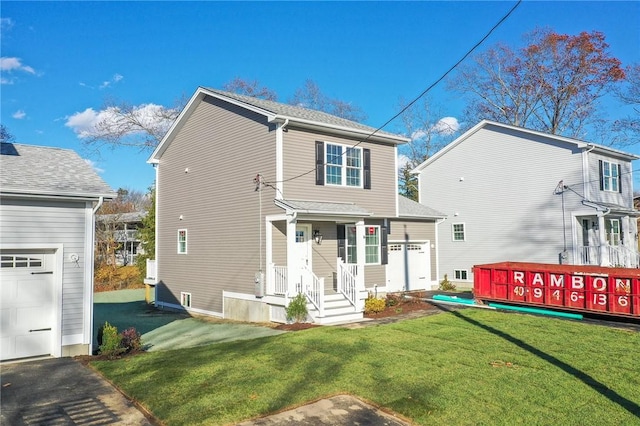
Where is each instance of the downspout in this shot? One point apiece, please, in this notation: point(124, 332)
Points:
point(438, 222)
point(93, 242)
point(280, 160)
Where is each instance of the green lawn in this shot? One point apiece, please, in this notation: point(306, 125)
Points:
point(464, 367)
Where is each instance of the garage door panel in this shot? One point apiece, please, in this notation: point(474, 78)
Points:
point(408, 267)
point(27, 310)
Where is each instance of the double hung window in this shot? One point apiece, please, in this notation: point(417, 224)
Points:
point(343, 165)
point(371, 245)
point(609, 176)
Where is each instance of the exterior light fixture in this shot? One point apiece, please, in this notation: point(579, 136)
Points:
point(317, 236)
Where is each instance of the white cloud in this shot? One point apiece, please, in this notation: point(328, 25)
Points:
point(446, 126)
point(90, 123)
point(14, 64)
point(6, 24)
point(115, 79)
point(403, 160)
point(19, 115)
point(94, 165)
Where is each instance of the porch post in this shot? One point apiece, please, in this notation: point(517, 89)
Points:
point(360, 247)
point(604, 253)
point(293, 269)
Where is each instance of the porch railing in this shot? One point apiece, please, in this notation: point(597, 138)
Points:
point(624, 257)
point(347, 281)
point(620, 256)
point(279, 280)
point(313, 288)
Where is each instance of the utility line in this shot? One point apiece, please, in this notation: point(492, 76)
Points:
point(424, 92)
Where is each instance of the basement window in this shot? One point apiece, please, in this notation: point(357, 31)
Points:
point(185, 299)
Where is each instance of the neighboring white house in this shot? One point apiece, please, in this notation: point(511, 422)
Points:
point(47, 202)
point(513, 194)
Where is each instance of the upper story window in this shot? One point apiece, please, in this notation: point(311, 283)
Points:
point(457, 232)
point(610, 176)
point(182, 241)
point(343, 165)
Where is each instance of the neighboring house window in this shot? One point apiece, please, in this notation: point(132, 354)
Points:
point(342, 165)
point(185, 299)
point(371, 245)
point(612, 229)
point(460, 274)
point(458, 231)
point(610, 176)
point(182, 241)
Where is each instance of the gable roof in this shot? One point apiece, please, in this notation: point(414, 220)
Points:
point(601, 149)
point(408, 208)
point(276, 112)
point(29, 170)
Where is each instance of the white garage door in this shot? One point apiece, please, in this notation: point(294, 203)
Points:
point(27, 305)
point(409, 267)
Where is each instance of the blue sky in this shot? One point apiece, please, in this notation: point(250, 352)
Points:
point(62, 58)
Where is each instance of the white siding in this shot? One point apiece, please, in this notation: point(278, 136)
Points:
point(46, 223)
point(500, 184)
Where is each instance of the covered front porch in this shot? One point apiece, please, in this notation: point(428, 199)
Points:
point(320, 249)
point(607, 238)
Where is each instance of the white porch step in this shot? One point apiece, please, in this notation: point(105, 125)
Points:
point(336, 309)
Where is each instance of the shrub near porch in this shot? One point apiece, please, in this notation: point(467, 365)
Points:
point(462, 367)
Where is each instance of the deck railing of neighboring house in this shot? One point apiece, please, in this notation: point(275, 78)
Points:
point(589, 255)
point(313, 288)
point(347, 282)
point(624, 257)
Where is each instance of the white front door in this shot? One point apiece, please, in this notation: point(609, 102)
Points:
point(26, 305)
point(303, 244)
point(409, 267)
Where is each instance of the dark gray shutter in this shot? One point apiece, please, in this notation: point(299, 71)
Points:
point(366, 168)
point(384, 250)
point(619, 179)
point(319, 163)
point(341, 237)
point(601, 167)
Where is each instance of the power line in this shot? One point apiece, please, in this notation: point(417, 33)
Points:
point(424, 92)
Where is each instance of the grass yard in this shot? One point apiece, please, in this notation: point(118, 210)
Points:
point(464, 367)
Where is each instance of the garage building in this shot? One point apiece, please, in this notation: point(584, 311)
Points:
point(48, 198)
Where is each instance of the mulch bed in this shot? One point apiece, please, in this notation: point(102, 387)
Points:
point(402, 307)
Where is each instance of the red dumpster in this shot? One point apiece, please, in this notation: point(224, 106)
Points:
point(612, 291)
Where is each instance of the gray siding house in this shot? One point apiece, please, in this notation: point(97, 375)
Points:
point(513, 194)
point(48, 198)
point(257, 201)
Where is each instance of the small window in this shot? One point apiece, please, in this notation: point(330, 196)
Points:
point(20, 262)
point(458, 232)
point(182, 241)
point(185, 299)
point(460, 274)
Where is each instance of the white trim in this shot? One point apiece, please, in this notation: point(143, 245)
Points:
point(58, 255)
point(280, 160)
point(395, 165)
point(89, 238)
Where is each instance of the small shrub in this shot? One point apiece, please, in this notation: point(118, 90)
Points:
point(446, 285)
point(392, 299)
point(373, 305)
point(297, 308)
point(110, 346)
point(130, 340)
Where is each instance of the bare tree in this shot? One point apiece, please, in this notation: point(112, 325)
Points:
point(628, 128)
point(5, 135)
point(250, 88)
point(310, 96)
point(553, 84)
